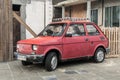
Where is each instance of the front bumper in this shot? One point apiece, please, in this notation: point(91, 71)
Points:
point(107, 50)
point(30, 58)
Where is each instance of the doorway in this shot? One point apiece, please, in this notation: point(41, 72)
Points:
point(16, 26)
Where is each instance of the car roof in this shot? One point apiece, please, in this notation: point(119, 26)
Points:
point(71, 20)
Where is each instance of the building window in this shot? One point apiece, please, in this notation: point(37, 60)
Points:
point(112, 16)
point(94, 16)
point(57, 12)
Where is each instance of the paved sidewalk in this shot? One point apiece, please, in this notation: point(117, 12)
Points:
point(75, 70)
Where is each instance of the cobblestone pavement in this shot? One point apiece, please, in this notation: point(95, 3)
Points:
point(74, 70)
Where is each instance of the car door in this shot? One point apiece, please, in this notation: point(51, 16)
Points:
point(76, 45)
point(93, 36)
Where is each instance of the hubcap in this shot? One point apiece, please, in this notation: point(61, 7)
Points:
point(100, 55)
point(54, 62)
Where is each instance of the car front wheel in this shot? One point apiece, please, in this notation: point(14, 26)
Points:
point(51, 61)
point(99, 55)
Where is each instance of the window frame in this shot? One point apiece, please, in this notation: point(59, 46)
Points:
point(109, 18)
point(94, 27)
point(92, 16)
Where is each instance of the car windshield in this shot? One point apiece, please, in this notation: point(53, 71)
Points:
point(53, 30)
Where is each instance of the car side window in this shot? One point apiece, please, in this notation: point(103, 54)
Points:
point(92, 30)
point(82, 30)
point(76, 30)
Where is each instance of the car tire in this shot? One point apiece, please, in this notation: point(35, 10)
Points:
point(51, 61)
point(25, 63)
point(99, 55)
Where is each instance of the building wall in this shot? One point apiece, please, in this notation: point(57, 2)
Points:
point(112, 3)
point(22, 13)
point(57, 1)
point(38, 15)
point(77, 11)
point(49, 11)
point(98, 5)
point(35, 17)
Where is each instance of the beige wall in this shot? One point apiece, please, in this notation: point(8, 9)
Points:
point(77, 11)
point(67, 12)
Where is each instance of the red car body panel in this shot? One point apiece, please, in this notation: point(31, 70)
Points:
point(41, 40)
point(44, 44)
point(25, 48)
point(74, 47)
point(68, 47)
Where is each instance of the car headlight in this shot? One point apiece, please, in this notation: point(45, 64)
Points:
point(18, 46)
point(34, 47)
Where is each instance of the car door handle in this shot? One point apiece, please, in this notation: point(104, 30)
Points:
point(86, 39)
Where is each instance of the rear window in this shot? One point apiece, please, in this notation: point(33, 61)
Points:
point(92, 30)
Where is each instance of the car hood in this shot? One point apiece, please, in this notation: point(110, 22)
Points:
point(47, 40)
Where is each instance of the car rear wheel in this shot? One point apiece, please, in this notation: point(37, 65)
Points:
point(25, 63)
point(99, 55)
point(51, 61)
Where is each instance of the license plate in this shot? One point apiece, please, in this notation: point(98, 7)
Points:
point(21, 57)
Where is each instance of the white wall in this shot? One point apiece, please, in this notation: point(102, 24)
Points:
point(49, 11)
point(35, 15)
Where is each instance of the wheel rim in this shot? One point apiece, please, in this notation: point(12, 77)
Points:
point(54, 62)
point(100, 55)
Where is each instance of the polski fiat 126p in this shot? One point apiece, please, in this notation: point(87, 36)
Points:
point(64, 40)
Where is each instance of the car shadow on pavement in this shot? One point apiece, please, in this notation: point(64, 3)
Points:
point(65, 65)
point(75, 62)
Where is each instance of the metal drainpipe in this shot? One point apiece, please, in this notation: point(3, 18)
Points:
point(44, 13)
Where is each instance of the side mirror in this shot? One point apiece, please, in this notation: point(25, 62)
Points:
point(68, 35)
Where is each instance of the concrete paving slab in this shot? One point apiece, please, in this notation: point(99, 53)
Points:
point(3, 66)
point(75, 70)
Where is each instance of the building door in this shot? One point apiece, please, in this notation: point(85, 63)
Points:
point(16, 27)
point(94, 16)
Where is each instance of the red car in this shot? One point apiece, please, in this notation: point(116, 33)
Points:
point(64, 40)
